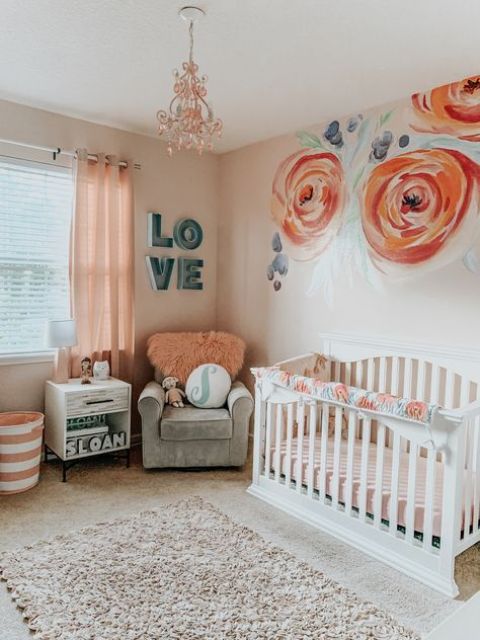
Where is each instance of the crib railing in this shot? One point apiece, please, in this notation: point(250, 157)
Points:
point(408, 377)
point(389, 486)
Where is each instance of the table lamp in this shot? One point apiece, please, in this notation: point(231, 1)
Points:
point(61, 335)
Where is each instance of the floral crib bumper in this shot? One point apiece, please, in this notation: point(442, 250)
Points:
point(339, 393)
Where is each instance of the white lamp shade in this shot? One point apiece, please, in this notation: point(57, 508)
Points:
point(61, 333)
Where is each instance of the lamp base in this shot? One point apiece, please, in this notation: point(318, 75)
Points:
point(61, 366)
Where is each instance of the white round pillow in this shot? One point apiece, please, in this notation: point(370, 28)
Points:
point(208, 386)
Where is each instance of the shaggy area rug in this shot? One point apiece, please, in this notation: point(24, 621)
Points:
point(182, 572)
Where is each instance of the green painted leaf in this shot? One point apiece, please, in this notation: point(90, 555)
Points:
point(358, 177)
point(385, 117)
point(362, 131)
point(309, 140)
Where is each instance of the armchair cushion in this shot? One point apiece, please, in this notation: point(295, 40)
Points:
point(191, 423)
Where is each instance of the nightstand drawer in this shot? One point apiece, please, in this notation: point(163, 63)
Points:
point(95, 401)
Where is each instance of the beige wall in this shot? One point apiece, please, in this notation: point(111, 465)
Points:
point(230, 196)
point(443, 307)
point(184, 185)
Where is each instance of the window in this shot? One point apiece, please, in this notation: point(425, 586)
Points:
point(35, 215)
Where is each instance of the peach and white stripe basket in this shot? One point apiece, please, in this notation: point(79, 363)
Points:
point(20, 450)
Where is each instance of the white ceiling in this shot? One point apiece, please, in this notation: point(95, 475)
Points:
point(273, 65)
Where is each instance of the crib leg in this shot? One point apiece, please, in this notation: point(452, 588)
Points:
point(257, 433)
point(452, 504)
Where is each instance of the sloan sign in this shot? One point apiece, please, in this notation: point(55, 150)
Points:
point(187, 236)
point(95, 444)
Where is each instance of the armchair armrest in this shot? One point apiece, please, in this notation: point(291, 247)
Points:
point(150, 406)
point(151, 400)
point(240, 406)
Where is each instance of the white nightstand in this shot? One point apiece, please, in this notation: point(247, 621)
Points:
point(83, 420)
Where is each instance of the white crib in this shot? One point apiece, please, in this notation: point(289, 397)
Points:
point(406, 494)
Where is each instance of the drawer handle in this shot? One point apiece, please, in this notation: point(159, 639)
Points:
point(98, 401)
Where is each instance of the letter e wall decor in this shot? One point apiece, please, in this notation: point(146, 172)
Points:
point(189, 275)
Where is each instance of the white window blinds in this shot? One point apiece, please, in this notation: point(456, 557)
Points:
point(35, 215)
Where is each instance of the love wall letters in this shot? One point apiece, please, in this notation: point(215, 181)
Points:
point(188, 236)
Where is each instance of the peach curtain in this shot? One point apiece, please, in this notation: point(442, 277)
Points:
point(101, 267)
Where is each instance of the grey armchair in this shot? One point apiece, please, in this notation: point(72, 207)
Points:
point(191, 437)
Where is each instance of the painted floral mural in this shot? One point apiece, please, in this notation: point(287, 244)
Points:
point(390, 193)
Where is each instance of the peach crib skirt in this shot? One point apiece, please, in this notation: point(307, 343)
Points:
point(387, 477)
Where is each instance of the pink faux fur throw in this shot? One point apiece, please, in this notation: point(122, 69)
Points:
point(178, 354)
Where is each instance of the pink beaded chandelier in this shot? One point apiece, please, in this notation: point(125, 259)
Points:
point(189, 122)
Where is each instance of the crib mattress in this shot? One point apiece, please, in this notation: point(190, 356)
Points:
point(371, 479)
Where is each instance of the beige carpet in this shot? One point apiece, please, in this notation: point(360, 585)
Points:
point(100, 489)
point(183, 571)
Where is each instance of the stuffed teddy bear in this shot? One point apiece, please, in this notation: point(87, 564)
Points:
point(173, 396)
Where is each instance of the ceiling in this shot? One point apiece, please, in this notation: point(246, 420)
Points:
point(273, 65)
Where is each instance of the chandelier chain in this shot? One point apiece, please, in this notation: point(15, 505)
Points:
point(190, 31)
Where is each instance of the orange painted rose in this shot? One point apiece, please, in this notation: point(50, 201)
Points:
point(308, 195)
point(452, 108)
point(421, 209)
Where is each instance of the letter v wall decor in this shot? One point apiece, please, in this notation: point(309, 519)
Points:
point(187, 236)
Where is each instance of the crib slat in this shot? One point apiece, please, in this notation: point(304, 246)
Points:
point(420, 380)
point(395, 375)
point(472, 472)
point(471, 493)
point(464, 392)
point(352, 428)
point(300, 429)
point(407, 378)
point(476, 469)
point(405, 388)
point(288, 471)
point(359, 374)
point(268, 439)
point(468, 482)
point(377, 510)
point(464, 401)
point(429, 499)
point(323, 451)
point(382, 382)
point(449, 389)
point(366, 433)
point(435, 384)
point(411, 492)
point(382, 374)
point(278, 441)
point(337, 441)
point(371, 374)
point(393, 515)
point(348, 373)
point(311, 449)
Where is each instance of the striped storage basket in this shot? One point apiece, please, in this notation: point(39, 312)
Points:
point(20, 450)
